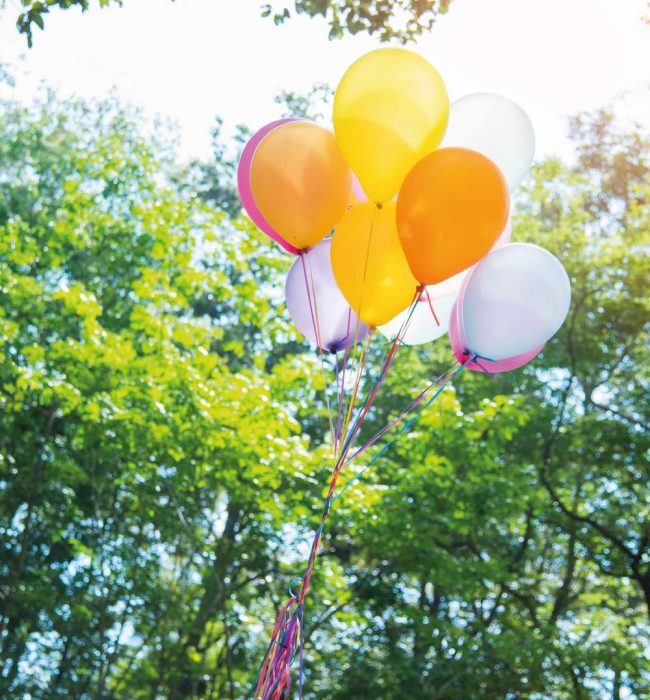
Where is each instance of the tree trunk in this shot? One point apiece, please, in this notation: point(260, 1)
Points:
point(213, 601)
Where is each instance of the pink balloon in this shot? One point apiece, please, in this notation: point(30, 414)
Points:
point(462, 353)
point(244, 183)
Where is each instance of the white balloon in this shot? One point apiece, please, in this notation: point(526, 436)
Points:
point(496, 127)
point(513, 301)
point(422, 327)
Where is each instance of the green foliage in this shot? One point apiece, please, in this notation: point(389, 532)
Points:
point(140, 436)
point(389, 20)
point(313, 105)
point(163, 451)
point(35, 11)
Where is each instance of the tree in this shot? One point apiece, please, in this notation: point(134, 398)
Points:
point(390, 20)
point(163, 449)
point(35, 11)
point(135, 427)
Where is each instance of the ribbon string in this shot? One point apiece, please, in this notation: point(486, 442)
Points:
point(313, 311)
point(273, 680)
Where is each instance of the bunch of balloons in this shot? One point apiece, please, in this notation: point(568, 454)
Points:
point(403, 214)
point(399, 221)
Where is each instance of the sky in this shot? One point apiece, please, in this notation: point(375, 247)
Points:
point(194, 59)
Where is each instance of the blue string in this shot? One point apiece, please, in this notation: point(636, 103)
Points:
point(295, 579)
point(301, 622)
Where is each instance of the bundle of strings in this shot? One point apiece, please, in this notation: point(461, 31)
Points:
point(287, 639)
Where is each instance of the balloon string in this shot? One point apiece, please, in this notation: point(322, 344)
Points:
point(311, 307)
point(273, 673)
point(274, 676)
point(390, 356)
point(357, 382)
point(354, 357)
point(386, 365)
point(337, 374)
point(289, 628)
point(274, 680)
point(268, 673)
point(440, 383)
point(322, 364)
point(313, 310)
point(361, 414)
point(342, 389)
point(435, 318)
point(351, 434)
point(359, 314)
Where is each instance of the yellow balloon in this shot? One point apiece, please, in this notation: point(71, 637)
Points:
point(369, 264)
point(390, 110)
point(300, 182)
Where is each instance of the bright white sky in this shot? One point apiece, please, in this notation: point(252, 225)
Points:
point(193, 59)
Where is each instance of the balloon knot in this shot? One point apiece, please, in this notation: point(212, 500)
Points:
point(380, 205)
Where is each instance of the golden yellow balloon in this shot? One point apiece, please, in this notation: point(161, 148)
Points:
point(300, 182)
point(390, 110)
point(369, 265)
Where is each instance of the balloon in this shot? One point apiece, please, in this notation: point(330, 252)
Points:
point(316, 304)
point(369, 264)
point(422, 327)
point(390, 109)
point(450, 211)
point(300, 182)
point(462, 354)
point(513, 301)
point(244, 183)
point(498, 128)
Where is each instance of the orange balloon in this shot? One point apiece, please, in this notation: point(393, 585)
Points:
point(300, 182)
point(451, 209)
point(369, 264)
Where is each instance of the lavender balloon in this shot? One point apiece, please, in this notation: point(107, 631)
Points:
point(316, 304)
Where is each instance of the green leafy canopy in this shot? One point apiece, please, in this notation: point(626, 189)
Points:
point(163, 450)
point(389, 20)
